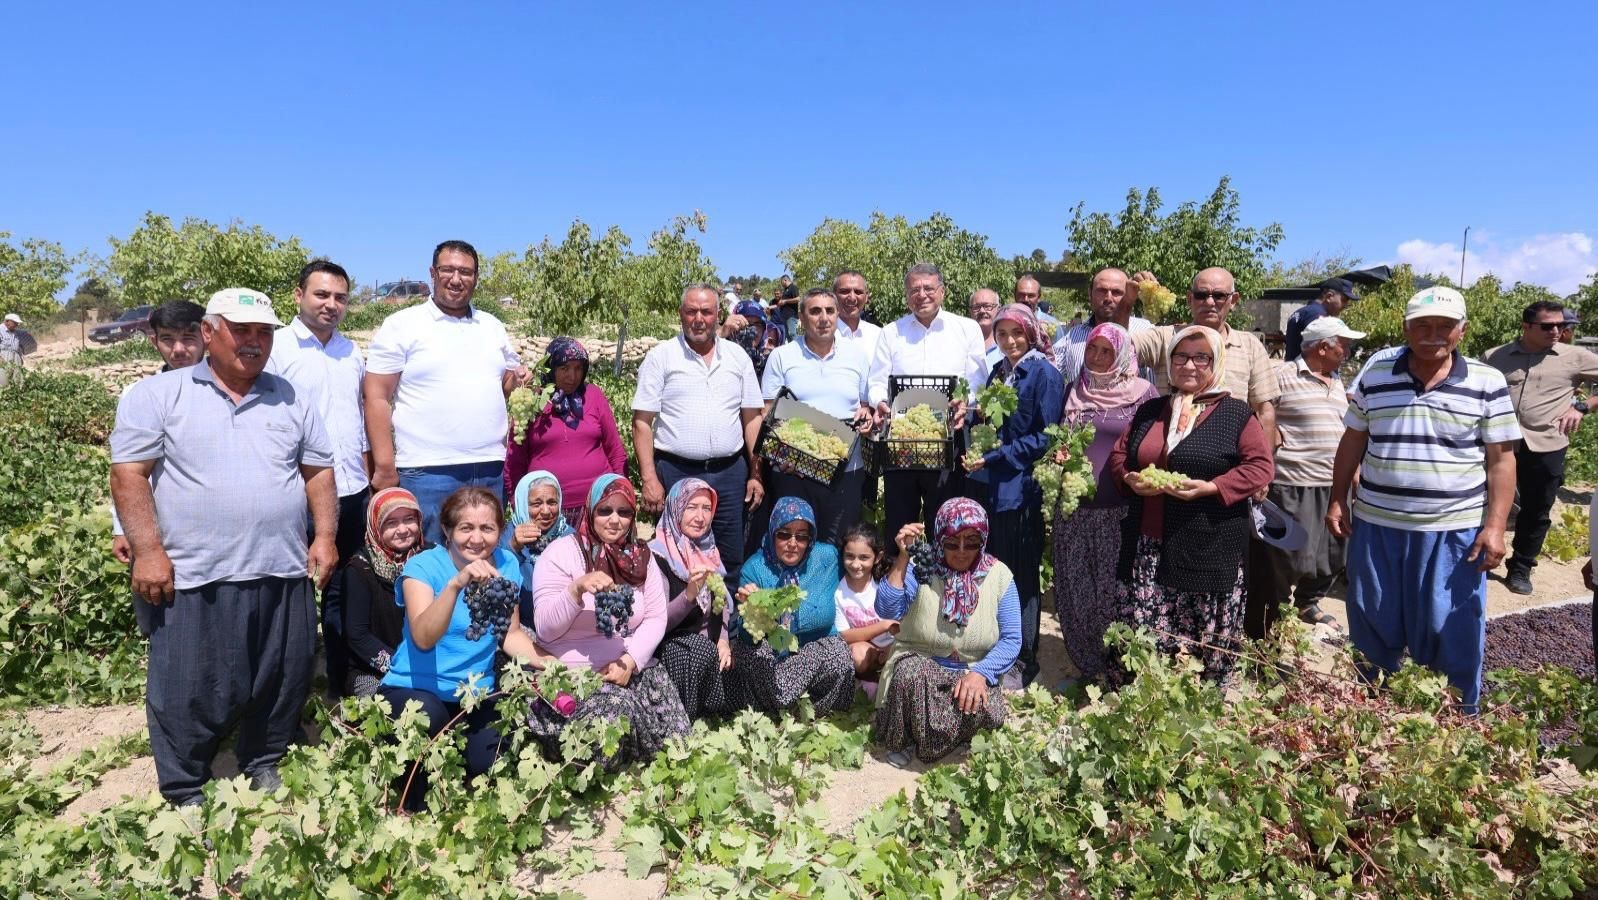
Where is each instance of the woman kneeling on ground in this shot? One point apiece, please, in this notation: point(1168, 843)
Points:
point(958, 642)
point(604, 554)
point(764, 679)
point(685, 551)
point(434, 655)
point(536, 522)
point(373, 622)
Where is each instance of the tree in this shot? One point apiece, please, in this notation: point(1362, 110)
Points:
point(1494, 314)
point(92, 296)
point(888, 246)
point(1174, 247)
point(1308, 271)
point(32, 272)
point(158, 262)
point(1585, 301)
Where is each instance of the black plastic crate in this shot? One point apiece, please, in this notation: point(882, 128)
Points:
point(943, 384)
point(792, 460)
point(899, 455)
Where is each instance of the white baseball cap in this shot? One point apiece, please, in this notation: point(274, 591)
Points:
point(1436, 301)
point(242, 306)
point(1329, 327)
point(13, 317)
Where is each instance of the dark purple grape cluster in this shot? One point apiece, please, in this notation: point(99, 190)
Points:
point(613, 610)
point(922, 560)
point(490, 603)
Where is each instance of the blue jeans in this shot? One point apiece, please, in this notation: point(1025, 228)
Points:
point(432, 485)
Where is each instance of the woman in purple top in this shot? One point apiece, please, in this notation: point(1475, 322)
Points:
point(1087, 543)
point(575, 436)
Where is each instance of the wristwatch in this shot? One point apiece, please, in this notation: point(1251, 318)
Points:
point(1580, 406)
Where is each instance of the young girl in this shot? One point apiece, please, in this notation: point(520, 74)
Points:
point(869, 637)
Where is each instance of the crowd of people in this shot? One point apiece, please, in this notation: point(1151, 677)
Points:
point(269, 461)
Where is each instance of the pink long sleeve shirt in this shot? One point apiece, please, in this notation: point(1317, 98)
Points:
point(575, 456)
point(567, 631)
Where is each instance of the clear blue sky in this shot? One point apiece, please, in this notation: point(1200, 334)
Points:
point(374, 130)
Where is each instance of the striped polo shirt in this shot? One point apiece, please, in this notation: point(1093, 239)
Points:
point(1424, 466)
point(1309, 416)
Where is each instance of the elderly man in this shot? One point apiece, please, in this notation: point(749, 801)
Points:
point(1249, 376)
point(823, 372)
point(213, 469)
point(928, 340)
point(1029, 293)
point(437, 376)
point(1336, 294)
point(1309, 418)
point(984, 305)
point(1432, 436)
point(696, 413)
point(14, 344)
point(853, 296)
point(312, 354)
point(1110, 299)
point(1543, 374)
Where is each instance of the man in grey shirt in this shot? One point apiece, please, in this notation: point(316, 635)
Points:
point(213, 469)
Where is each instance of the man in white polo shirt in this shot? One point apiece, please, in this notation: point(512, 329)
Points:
point(437, 376)
point(1432, 436)
point(697, 413)
point(315, 358)
point(929, 340)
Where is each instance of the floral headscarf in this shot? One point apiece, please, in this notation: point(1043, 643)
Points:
point(1022, 315)
point(566, 407)
point(787, 511)
point(520, 514)
point(961, 589)
point(1186, 408)
point(681, 552)
point(1121, 386)
point(386, 564)
point(626, 562)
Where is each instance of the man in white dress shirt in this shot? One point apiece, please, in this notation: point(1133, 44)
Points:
point(930, 340)
point(853, 296)
point(327, 367)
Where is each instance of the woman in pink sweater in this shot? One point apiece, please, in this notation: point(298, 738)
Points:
point(574, 436)
point(602, 557)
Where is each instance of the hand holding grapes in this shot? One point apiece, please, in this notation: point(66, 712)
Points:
point(908, 535)
point(475, 571)
point(1141, 486)
point(746, 590)
point(591, 583)
point(525, 535)
point(696, 581)
point(1193, 489)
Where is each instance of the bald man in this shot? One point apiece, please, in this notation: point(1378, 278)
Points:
point(1249, 373)
point(1111, 296)
point(984, 305)
point(1029, 293)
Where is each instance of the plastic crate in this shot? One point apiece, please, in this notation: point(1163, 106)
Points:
point(898, 454)
point(791, 460)
point(943, 384)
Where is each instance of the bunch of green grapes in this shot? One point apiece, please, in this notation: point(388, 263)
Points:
point(1073, 487)
point(765, 613)
point(1155, 476)
point(983, 438)
point(525, 404)
point(917, 424)
point(801, 435)
point(718, 593)
point(1064, 472)
point(1157, 299)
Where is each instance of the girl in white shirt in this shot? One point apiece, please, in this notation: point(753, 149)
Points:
point(870, 637)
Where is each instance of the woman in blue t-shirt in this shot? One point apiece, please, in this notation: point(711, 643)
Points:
point(435, 655)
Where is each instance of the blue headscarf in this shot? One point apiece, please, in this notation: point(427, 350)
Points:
point(521, 515)
point(787, 511)
point(816, 574)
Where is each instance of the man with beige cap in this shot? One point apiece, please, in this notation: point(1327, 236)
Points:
point(12, 346)
point(213, 470)
point(1432, 436)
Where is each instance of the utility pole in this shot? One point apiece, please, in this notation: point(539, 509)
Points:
point(1464, 243)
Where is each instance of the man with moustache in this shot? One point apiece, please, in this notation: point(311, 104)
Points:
point(437, 375)
point(1111, 297)
point(214, 469)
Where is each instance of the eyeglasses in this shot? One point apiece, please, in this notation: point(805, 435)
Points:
point(1553, 326)
point(794, 537)
point(452, 271)
point(970, 545)
point(1199, 360)
point(605, 512)
point(1212, 296)
point(984, 307)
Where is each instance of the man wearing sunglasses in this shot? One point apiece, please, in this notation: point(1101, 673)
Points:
point(1250, 374)
point(1543, 374)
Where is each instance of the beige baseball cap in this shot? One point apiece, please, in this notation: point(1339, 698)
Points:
point(242, 306)
point(1329, 327)
point(1436, 301)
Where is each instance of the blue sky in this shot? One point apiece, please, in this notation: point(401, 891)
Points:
point(374, 130)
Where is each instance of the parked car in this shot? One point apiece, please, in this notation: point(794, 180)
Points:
point(131, 323)
point(398, 292)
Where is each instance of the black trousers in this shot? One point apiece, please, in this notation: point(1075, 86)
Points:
point(837, 505)
point(914, 496)
point(351, 538)
point(483, 739)
point(727, 478)
point(1538, 477)
point(1015, 538)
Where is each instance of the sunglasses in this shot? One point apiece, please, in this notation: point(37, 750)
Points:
point(605, 512)
point(1215, 296)
point(796, 537)
point(1554, 326)
point(968, 545)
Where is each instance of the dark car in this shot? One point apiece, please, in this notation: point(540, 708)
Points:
point(400, 292)
point(131, 323)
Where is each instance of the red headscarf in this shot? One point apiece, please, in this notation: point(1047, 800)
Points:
point(628, 561)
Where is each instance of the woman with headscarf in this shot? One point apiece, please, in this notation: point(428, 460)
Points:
point(762, 678)
point(373, 622)
point(685, 552)
point(575, 436)
point(536, 521)
point(602, 554)
point(958, 643)
point(758, 336)
point(1087, 543)
point(1180, 570)
point(1014, 497)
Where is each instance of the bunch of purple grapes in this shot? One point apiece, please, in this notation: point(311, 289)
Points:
point(613, 610)
point(922, 560)
point(490, 603)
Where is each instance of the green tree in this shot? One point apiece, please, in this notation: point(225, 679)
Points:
point(888, 246)
point(160, 262)
point(1585, 301)
point(1494, 312)
point(1194, 236)
point(32, 272)
point(92, 296)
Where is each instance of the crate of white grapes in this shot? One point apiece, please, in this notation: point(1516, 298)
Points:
point(920, 436)
point(801, 440)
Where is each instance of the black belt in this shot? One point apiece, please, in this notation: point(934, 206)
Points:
point(698, 465)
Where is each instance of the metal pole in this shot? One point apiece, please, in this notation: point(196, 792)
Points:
point(621, 341)
point(1465, 242)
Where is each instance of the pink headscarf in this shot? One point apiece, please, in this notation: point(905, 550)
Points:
point(1022, 315)
point(1121, 386)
